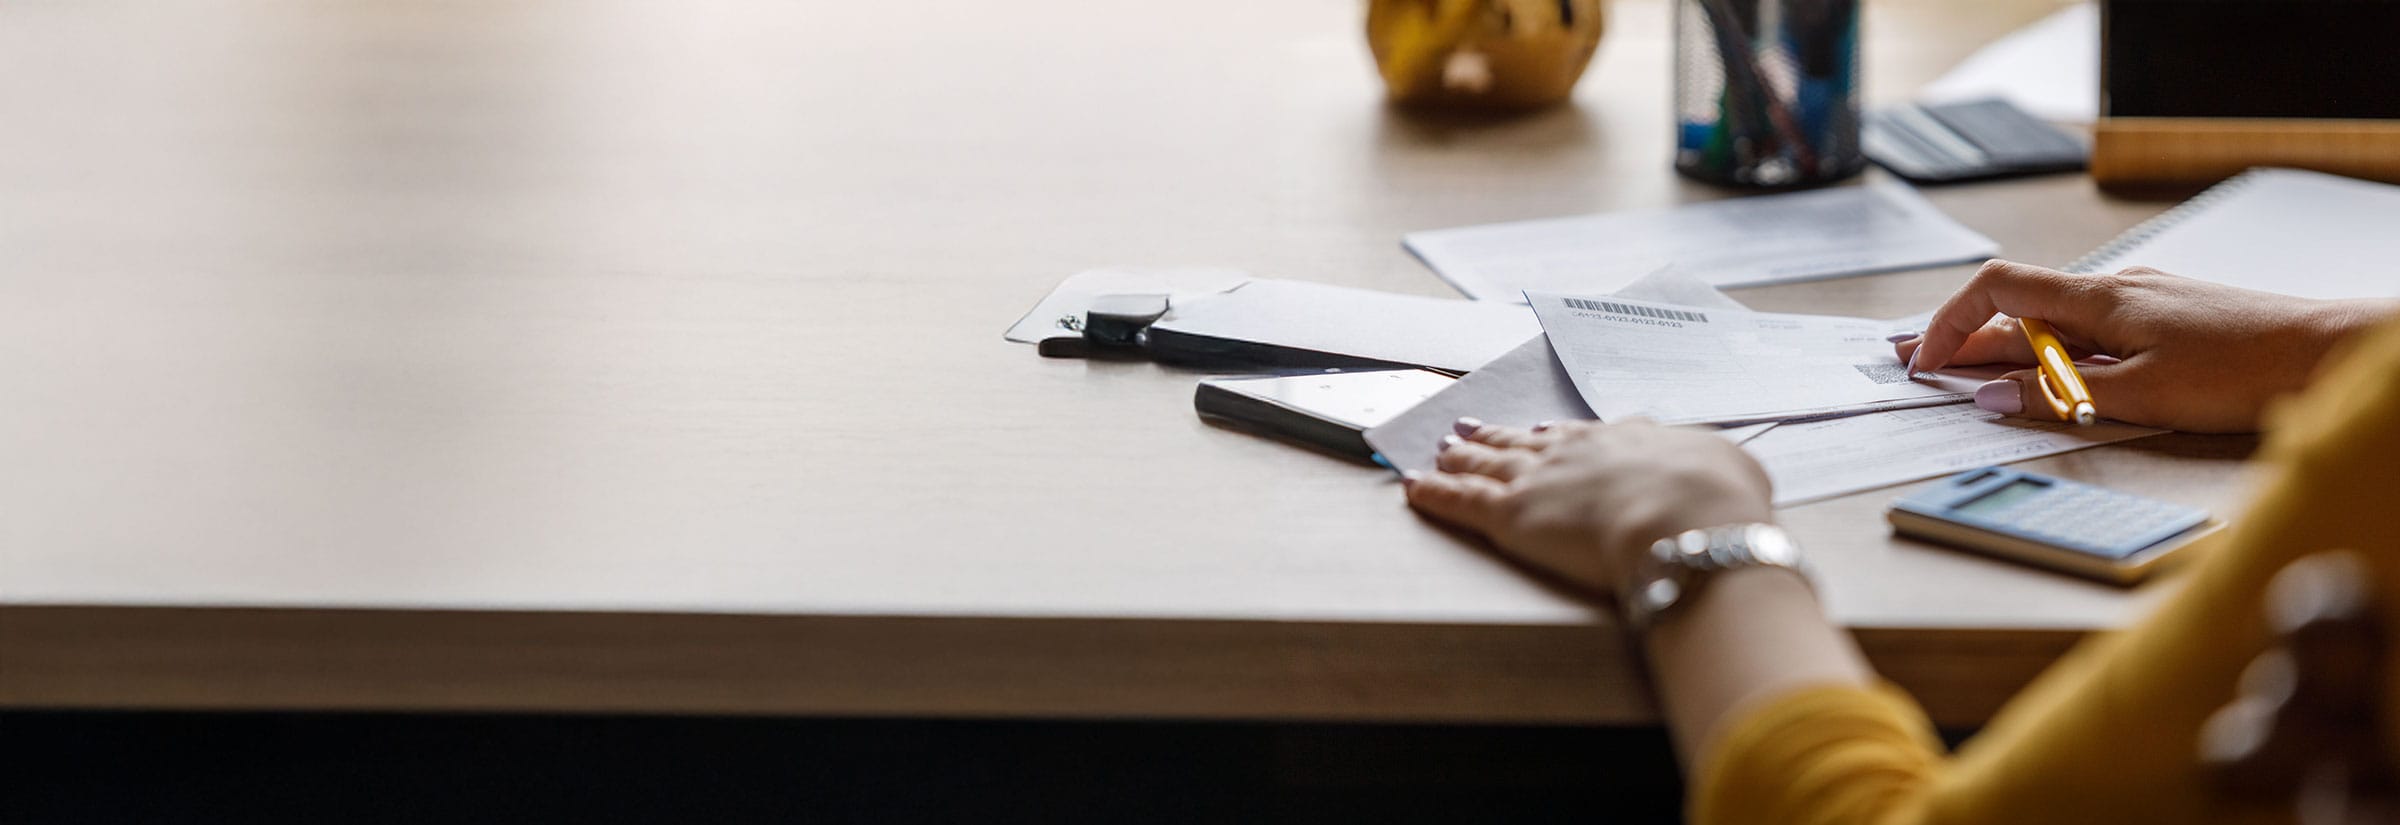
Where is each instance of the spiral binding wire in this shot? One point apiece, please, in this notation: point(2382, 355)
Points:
point(2105, 258)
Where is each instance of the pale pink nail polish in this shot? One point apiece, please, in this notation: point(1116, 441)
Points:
point(1912, 361)
point(2000, 396)
point(1466, 425)
point(1544, 426)
point(1409, 478)
point(1449, 441)
point(1901, 337)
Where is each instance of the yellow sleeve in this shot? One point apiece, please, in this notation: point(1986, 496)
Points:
point(1831, 754)
point(2108, 734)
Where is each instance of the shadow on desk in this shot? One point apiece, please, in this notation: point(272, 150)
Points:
point(356, 768)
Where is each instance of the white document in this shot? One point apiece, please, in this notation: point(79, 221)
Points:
point(1694, 365)
point(1822, 459)
point(2276, 230)
point(1520, 389)
point(1440, 333)
point(1763, 239)
point(1525, 387)
point(2050, 69)
point(1062, 310)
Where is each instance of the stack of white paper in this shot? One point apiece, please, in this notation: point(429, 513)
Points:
point(1764, 239)
point(1438, 333)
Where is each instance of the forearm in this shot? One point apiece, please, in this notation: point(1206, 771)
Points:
point(2360, 314)
point(2341, 321)
point(1750, 635)
point(2315, 336)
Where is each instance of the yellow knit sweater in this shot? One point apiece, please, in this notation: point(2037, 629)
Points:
point(2109, 734)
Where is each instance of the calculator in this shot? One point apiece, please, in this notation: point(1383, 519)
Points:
point(1972, 140)
point(2063, 525)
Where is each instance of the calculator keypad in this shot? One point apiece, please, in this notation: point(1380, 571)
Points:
point(2096, 520)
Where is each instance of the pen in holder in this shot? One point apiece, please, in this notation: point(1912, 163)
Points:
point(1766, 91)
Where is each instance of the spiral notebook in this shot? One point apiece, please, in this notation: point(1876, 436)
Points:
point(2275, 230)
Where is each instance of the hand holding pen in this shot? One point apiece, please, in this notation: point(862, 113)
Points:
point(2061, 387)
point(2153, 348)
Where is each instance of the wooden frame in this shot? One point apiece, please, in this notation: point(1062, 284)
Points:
point(2134, 153)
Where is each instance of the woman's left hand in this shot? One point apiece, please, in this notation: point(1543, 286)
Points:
point(1580, 499)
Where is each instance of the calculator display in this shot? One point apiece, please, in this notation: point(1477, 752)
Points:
point(1999, 499)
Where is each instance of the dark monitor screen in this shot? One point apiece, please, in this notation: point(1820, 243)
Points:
point(2251, 58)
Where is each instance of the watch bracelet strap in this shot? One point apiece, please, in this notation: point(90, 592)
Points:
point(1697, 556)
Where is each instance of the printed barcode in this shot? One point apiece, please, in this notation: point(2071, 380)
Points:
point(1646, 312)
point(1883, 373)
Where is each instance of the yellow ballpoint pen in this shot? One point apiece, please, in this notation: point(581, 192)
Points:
point(2060, 383)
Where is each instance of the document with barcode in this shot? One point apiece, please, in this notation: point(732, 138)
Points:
point(1528, 386)
point(1708, 365)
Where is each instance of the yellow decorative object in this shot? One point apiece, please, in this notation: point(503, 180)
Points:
point(1494, 54)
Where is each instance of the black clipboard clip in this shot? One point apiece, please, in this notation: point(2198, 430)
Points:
point(1114, 325)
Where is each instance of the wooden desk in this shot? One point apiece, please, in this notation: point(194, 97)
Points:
point(618, 356)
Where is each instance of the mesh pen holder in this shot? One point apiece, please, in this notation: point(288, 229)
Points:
point(1766, 91)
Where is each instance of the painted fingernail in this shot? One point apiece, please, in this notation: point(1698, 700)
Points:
point(1466, 425)
point(1449, 441)
point(1409, 478)
point(1898, 337)
point(2000, 396)
point(1544, 426)
point(1912, 361)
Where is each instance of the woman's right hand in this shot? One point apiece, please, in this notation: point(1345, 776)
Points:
point(2188, 355)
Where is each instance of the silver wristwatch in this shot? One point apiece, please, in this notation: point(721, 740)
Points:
point(1679, 565)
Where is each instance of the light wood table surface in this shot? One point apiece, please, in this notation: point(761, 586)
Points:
point(597, 355)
